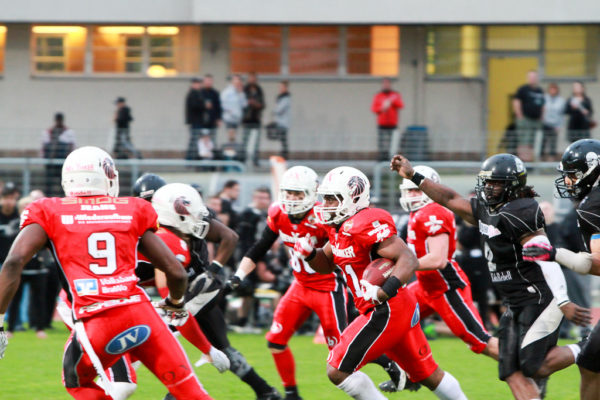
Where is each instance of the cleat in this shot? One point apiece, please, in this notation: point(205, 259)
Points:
point(272, 395)
point(398, 379)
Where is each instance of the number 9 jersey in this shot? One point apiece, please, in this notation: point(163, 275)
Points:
point(94, 241)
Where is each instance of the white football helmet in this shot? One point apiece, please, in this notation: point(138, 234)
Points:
point(351, 187)
point(301, 179)
point(90, 171)
point(180, 206)
point(416, 202)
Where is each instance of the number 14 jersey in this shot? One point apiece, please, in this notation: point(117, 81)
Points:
point(94, 240)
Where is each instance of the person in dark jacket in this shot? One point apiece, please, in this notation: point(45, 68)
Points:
point(212, 106)
point(580, 110)
point(200, 144)
point(252, 117)
point(123, 145)
point(57, 142)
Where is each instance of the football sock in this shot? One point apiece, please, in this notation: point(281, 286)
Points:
point(449, 389)
point(575, 349)
point(284, 361)
point(192, 332)
point(360, 387)
point(257, 383)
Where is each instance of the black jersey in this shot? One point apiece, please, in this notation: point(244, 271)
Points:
point(588, 216)
point(519, 282)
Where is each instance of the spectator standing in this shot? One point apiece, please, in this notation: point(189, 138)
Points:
point(200, 144)
point(123, 145)
point(554, 110)
point(212, 107)
point(253, 113)
point(528, 105)
point(386, 105)
point(252, 221)
point(282, 116)
point(229, 195)
point(9, 228)
point(57, 142)
point(580, 110)
point(233, 102)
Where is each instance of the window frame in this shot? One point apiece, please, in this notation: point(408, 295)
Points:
point(563, 78)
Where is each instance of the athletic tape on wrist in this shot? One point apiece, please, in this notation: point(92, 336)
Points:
point(417, 178)
point(240, 274)
point(391, 286)
point(1, 320)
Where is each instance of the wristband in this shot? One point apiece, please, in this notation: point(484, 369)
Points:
point(240, 274)
point(1, 320)
point(417, 178)
point(215, 267)
point(217, 263)
point(173, 301)
point(312, 255)
point(391, 286)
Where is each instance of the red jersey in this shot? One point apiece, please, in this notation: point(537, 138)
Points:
point(353, 242)
point(176, 244)
point(94, 240)
point(279, 222)
point(431, 220)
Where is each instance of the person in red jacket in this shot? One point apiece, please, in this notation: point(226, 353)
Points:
point(386, 105)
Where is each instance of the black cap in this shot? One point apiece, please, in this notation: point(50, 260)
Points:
point(120, 100)
point(59, 116)
point(9, 189)
point(196, 80)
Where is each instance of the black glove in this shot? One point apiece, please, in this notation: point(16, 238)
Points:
point(232, 284)
point(216, 273)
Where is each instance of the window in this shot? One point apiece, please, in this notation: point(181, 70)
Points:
point(2, 45)
point(155, 50)
point(58, 49)
point(454, 51)
point(513, 38)
point(373, 50)
point(255, 49)
point(315, 50)
point(570, 51)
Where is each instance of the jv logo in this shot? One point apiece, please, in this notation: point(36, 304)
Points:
point(128, 339)
point(86, 287)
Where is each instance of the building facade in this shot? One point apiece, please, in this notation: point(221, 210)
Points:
point(456, 65)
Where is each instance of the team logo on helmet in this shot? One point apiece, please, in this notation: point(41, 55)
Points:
point(181, 205)
point(109, 168)
point(356, 185)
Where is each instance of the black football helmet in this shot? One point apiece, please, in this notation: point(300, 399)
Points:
point(146, 185)
point(579, 163)
point(504, 168)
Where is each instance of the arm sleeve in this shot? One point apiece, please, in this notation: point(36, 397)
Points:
point(148, 219)
point(398, 103)
point(523, 217)
point(260, 248)
point(34, 214)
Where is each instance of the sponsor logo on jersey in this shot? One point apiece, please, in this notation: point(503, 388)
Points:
point(501, 276)
point(488, 230)
point(109, 303)
point(118, 280)
point(86, 287)
point(101, 219)
point(67, 219)
point(348, 225)
point(348, 252)
point(276, 327)
point(381, 230)
point(416, 317)
point(99, 207)
point(434, 224)
point(288, 238)
point(128, 339)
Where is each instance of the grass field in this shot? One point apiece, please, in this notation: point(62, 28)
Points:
point(31, 370)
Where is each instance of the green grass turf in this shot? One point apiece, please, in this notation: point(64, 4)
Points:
point(31, 370)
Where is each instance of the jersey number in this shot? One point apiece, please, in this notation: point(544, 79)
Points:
point(107, 252)
point(297, 264)
point(489, 256)
point(357, 290)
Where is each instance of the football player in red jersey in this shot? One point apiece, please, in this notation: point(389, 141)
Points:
point(94, 236)
point(389, 320)
point(441, 284)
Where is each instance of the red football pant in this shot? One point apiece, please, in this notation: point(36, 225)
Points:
point(296, 306)
point(457, 310)
point(391, 328)
point(138, 330)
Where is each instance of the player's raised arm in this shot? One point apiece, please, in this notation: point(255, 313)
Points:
point(437, 192)
point(162, 258)
point(321, 260)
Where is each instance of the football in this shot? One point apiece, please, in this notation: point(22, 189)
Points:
point(378, 271)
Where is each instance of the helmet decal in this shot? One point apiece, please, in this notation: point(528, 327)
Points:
point(519, 163)
point(181, 205)
point(591, 159)
point(356, 185)
point(109, 168)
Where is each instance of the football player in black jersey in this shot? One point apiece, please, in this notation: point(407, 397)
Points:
point(535, 292)
point(580, 173)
